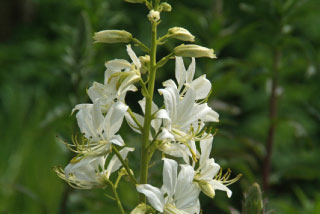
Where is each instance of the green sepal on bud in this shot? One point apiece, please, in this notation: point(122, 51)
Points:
point(181, 34)
point(135, 1)
point(165, 7)
point(194, 51)
point(206, 188)
point(142, 209)
point(112, 36)
point(145, 61)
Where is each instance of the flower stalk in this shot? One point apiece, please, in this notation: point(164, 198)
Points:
point(148, 114)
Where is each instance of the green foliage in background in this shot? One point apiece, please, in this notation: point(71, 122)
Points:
point(47, 60)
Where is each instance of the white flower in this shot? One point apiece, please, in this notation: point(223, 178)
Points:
point(183, 119)
point(90, 172)
point(99, 130)
point(119, 79)
point(178, 195)
point(201, 85)
point(207, 172)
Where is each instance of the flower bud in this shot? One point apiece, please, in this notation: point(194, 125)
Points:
point(135, 1)
point(154, 16)
point(112, 36)
point(181, 34)
point(140, 209)
point(165, 7)
point(145, 60)
point(193, 51)
point(206, 188)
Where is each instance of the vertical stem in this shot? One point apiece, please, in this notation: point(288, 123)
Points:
point(147, 118)
point(116, 196)
point(272, 120)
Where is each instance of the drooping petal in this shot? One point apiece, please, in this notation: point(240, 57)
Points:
point(153, 195)
point(219, 186)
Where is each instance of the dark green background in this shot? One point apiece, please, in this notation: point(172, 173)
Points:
point(47, 60)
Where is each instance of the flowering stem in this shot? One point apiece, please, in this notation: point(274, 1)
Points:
point(148, 114)
point(116, 196)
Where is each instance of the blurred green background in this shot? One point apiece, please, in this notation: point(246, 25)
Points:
point(267, 50)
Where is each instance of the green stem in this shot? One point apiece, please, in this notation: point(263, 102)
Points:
point(116, 196)
point(134, 119)
point(141, 45)
point(125, 165)
point(148, 114)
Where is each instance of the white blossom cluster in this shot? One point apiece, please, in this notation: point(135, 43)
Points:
point(176, 129)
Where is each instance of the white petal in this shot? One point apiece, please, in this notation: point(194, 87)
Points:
point(114, 118)
point(194, 209)
point(132, 123)
point(205, 146)
point(180, 72)
point(117, 140)
point(118, 65)
point(186, 192)
point(153, 195)
point(115, 163)
point(169, 175)
point(202, 86)
point(165, 135)
point(219, 186)
point(209, 169)
point(133, 57)
point(171, 100)
point(191, 70)
point(169, 83)
point(81, 106)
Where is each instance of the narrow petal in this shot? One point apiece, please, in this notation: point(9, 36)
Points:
point(170, 175)
point(191, 70)
point(205, 146)
point(133, 57)
point(180, 72)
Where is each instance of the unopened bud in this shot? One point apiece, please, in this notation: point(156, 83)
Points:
point(154, 16)
point(112, 36)
point(165, 7)
point(140, 209)
point(145, 60)
point(193, 51)
point(181, 34)
point(206, 188)
point(135, 1)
